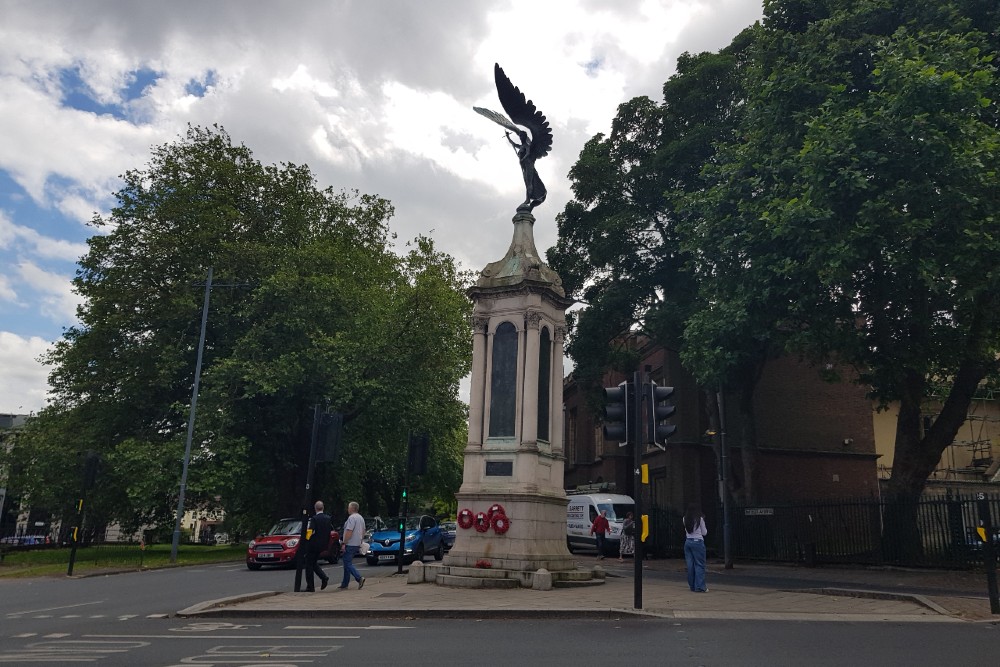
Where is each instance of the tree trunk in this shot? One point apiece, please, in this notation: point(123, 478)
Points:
point(915, 458)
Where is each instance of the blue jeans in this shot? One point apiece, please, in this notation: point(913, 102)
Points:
point(599, 537)
point(694, 556)
point(349, 569)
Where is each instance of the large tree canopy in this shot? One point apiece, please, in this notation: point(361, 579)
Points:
point(863, 198)
point(310, 305)
point(843, 203)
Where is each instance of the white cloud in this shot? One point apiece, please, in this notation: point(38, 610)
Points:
point(38, 244)
point(7, 292)
point(375, 96)
point(23, 380)
point(57, 299)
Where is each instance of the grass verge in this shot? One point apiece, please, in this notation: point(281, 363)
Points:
point(118, 557)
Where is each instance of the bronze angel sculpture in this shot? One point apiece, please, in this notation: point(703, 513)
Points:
point(532, 146)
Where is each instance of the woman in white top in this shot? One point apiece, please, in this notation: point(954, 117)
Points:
point(694, 548)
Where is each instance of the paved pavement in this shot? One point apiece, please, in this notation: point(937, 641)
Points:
point(748, 591)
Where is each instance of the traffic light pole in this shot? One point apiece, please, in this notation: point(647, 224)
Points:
point(310, 475)
point(638, 382)
point(402, 522)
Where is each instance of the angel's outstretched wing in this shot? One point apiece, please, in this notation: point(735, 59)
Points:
point(497, 118)
point(523, 112)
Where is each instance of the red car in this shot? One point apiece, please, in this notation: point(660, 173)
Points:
point(280, 544)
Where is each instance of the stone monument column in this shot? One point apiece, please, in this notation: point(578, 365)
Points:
point(514, 457)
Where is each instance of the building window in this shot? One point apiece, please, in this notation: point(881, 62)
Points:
point(503, 383)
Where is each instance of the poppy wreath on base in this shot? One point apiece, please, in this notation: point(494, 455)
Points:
point(481, 523)
point(501, 524)
point(466, 518)
point(494, 510)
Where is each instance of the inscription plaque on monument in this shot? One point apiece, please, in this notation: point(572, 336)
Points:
point(499, 468)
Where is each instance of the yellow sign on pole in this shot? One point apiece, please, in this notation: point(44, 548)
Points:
point(645, 473)
point(645, 527)
point(982, 533)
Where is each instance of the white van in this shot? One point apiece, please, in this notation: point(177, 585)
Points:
point(580, 513)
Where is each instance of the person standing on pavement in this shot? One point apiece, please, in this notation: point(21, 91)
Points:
point(316, 543)
point(694, 548)
point(627, 545)
point(354, 532)
point(599, 529)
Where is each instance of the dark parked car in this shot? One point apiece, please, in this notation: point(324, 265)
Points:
point(422, 537)
point(449, 529)
point(280, 544)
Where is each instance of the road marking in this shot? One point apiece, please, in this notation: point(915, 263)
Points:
point(68, 606)
point(226, 637)
point(56, 635)
point(24, 635)
point(66, 651)
point(97, 615)
point(348, 627)
point(212, 626)
point(125, 617)
point(157, 615)
point(71, 616)
point(44, 616)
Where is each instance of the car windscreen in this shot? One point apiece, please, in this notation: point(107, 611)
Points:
point(286, 527)
point(616, 511)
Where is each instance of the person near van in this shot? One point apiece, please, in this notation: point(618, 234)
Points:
point(318, 541)
point(694, 548)
point(599, 529)
point(354, 532)
point(627, 545)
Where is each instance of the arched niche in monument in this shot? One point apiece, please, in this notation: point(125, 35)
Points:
point(503, 382)
point(544, 379)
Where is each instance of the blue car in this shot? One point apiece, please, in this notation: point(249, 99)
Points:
point(423, 537)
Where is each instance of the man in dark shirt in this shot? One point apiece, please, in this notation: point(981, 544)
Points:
point(317, 543)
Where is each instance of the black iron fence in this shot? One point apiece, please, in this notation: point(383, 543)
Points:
point(937, 532)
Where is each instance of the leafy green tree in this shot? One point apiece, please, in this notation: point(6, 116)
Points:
point(618, 248)
point(622, 248)
point(858, 210)
point(310, 306)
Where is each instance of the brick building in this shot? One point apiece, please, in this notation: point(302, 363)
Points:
point(815, 439)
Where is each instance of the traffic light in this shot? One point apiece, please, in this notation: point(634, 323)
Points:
point(616, 403)
point(331, 425)
point(660, 409)
point(404, 494)
point(417, 455)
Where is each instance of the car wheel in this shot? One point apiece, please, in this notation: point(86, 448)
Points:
point(253, 566)
point(372, 561)
point(439, 554)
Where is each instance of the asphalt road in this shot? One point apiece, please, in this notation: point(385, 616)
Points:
point(126, 619)
point(437, 642)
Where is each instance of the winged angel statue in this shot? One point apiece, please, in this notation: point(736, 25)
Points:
point(532, 146)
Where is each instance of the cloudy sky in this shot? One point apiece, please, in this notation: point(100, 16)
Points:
point(372, 95)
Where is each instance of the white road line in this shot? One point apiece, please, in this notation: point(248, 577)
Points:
point(97, 616)
point(71, 616)
point(157, 615)
point(125, 617)
point(226, 637)
point(24, 635)
point(349, 627)
point(56, 635)
point(68, 606)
